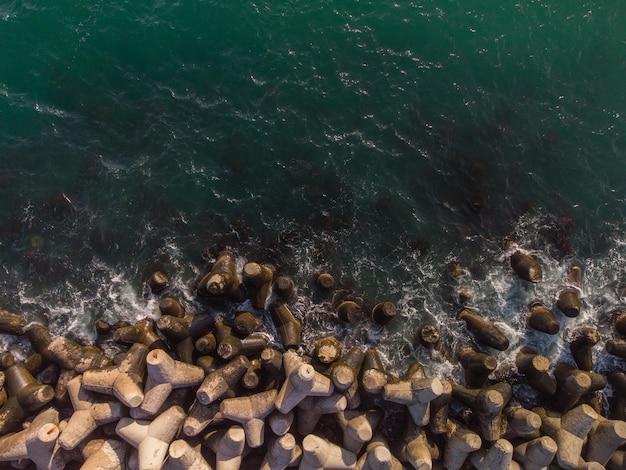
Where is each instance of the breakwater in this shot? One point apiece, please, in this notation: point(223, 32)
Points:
point(213, 389)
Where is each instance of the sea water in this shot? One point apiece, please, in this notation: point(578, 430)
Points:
point(378, 141)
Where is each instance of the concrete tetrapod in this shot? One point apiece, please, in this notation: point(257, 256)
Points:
point(61, 396)
point(272, 364)
point(416, 450)
point(127, 334)
point(569, 302)
point(497, 457)
point(250, 411)
point(581, 345)
point(477, 367)
point(124, 381)
point(245, 323)
point(582, 465)
point(605, 437)
point(573, 384)
point(217, 383)
point(377, 456)
point(345, 371)
point(383, 313)
point(36, 443)
point(302, 381)
point(7, 360)
point(617, 378)
point(177, 329)
point(325, 281)
point(460, 443)
point(283, 452)
point(311, 409)
point(488, 403)
point(49, 375)
point(222, 280)
point(152, 438)
point(288, 327)
point(69, 355)
point(101, 454)
point(353, 396)
point(228, 446)
point(439, 409)
point(521, 423)
point(17, 381)
point(326, 350)
point(485, 332)
point(374, 376)
point(283, 287)
point(33, 363)
point(164, 375)
point(280, 423)
point(206, 344)
point(350, 312)
point(222, 329)
point(184, 457)
point(535, 368)
point(157, 282)
point(11, 323)
point(200, 416)
point(141, 332)
point(430, 338)
point(170, 306)
point(231, 346)
point(526, 266)
point(25, 395)
point(358, 427)
point(252, 379)
point(619, 321)
point(616, 347)
point(178, 397)
point(536, 454)
point(416, 395)
point(90, 411)
point(541, 319)
point(40, 339)
point(258, 279)
point(617, 461)
point(569, 432)
point(321, 454)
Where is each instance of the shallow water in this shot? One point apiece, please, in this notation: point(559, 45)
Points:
point(376, 141)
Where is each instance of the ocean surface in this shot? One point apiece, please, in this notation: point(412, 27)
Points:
point(378, 141)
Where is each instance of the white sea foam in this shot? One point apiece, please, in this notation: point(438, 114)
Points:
point(417, 284)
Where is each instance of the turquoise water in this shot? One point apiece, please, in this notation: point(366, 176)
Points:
point(375, 140)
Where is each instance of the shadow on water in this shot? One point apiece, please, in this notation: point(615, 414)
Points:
point(40, 251)
point(481, 184)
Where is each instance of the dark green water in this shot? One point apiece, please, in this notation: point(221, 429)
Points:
point(375, 140)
